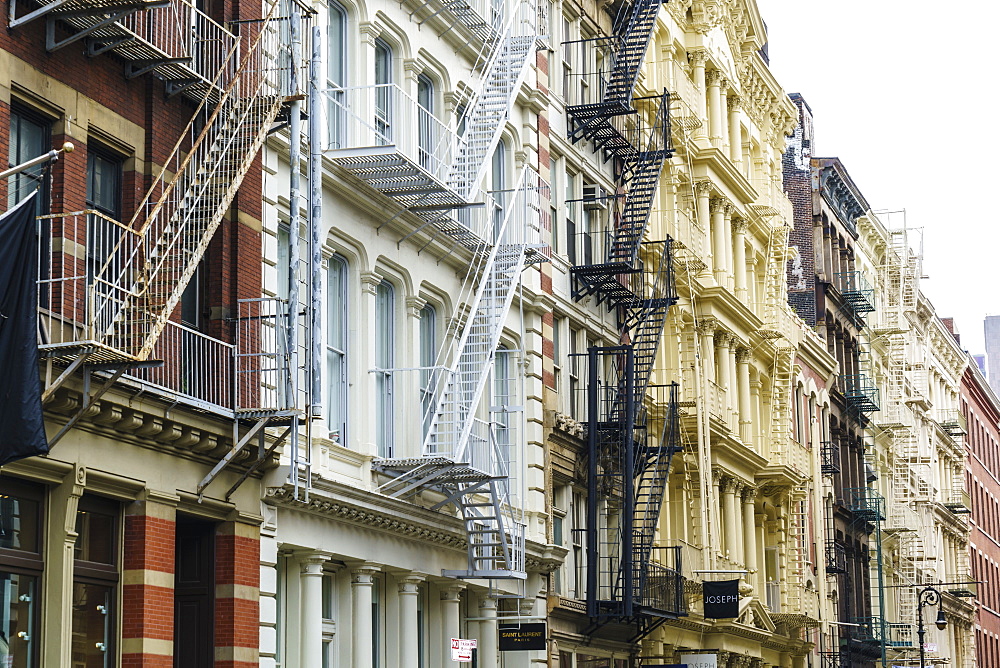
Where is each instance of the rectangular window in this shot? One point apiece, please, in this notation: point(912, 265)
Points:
point(329, 619)
point(95, 582)
point(30, 137)
point(428, 353)
point(558, 325)
point(104, 182)
point(579, 514)
point(503, 399)
point(383, 93)
point(21, 512)
point(385, 337)
point(576, 364)
point(572, 216)
point(336, 349)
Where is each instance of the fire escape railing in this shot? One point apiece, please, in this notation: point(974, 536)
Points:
point(857, 293)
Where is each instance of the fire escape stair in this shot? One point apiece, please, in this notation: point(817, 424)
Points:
point(592, 121)
point(151, 36)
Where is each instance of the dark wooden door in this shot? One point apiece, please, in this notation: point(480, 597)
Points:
point(194, 595)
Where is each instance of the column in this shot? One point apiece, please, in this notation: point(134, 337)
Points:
point(698, 59)
point(714, 78)
point(743, 383)
point(237, 593)
point(727, 219)
point(451, 597)
point(703, 224)
point(718, 209)
point(311, 607)
point(409, 595)
point(722, 340)
point(488, 653)
point(706, 328)
point(740, 258)
point(719, 485)
point(749, 533)
point(735, 134)
point(362, 584)
point(733, 542)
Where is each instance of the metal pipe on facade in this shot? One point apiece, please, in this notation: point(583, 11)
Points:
point(315, 225)
point(294, 198)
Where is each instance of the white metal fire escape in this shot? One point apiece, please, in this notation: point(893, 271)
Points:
point(108, 289)
point(432, 173)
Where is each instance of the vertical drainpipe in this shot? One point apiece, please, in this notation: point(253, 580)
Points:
point(294, 197)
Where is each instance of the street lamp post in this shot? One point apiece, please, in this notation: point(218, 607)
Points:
point(928, 596)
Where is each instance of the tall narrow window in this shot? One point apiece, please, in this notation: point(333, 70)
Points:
point(21, 513)
point(498, 186)
point(385, 336)
point(104, 265)
point(572, 211)
point(336, 349)
point(575, 365)
point(428, 353)
point(95, 580)
point(503, 399)
point(336, 73)
point(30, 137)
point(426, 122)
point(383, 93)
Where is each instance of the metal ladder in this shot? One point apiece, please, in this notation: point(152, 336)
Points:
point(487, 113)
point(629, 45)
point(179, 215)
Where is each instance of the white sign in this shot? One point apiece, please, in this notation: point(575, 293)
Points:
point(461, 649)
point(700, 660)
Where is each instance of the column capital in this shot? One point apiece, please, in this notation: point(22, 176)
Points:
point(707, 326)
point(413, 306)
point(363, 572)
point(740, 225)
point(410, 583)
point(488, 603)
point(729, 484)
point(703, 186)
point(723, 338)
point(452, 592)
point(311, 562)
point(698, 57)
point(718, 204)
point(369, 33)
point(370, 280)
point(743, 355)
point(735, 102)
point(749, 494)
point(714, 78)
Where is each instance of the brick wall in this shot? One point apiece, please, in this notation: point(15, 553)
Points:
point(797, 177)
point(237, 595)
point(148, 586)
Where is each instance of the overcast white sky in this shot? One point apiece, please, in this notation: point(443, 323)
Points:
point(904, 93)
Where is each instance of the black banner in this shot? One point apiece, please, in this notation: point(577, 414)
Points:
point(522, 637)
point(22, 431)
point(722, 599)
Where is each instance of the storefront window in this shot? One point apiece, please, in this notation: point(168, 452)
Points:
point(20, 571)
point(95, 579)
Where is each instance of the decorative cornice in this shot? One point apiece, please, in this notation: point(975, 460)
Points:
point(356, 515)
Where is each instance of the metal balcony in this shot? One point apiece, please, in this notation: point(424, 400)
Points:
point(836, 557)
point(900, 635)
point(663, 590)
point(857, 293)
point(865, 503)
point(952, 421)
point(829, 457)
point(172, 39)
point(861, 393)
point(388, 140)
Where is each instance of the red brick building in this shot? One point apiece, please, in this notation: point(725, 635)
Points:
point(119, 548)
point(981, 409)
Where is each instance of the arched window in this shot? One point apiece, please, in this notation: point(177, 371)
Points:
point(426, 122)
point(336, 349)
point(385, 339)
point(428, 353)
point(383, 92)
point(336, 72)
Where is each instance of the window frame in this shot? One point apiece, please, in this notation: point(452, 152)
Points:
point(100, 574)
point(43, 204)
point(385, 357)
point(337, 262)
